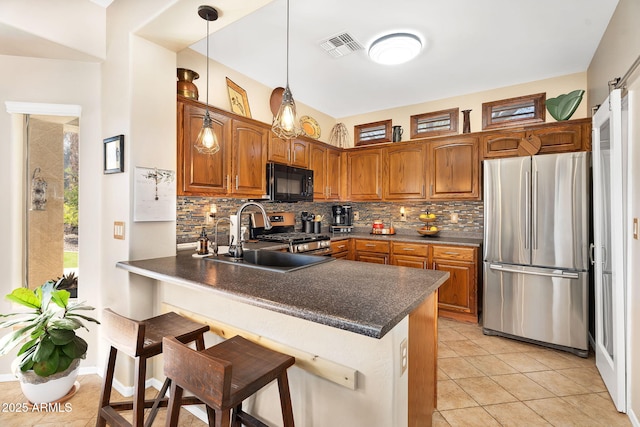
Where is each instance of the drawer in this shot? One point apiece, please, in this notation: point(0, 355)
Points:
point(413, 249)
point(340, 245)
point(454, 253)
point(372, 246)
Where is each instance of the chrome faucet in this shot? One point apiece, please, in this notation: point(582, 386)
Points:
point(235, 250)
point(215, 233)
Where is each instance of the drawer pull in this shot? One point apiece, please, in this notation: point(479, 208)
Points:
point(408, 249)
point(370, 245)
point(342, 246)
point(452, 253)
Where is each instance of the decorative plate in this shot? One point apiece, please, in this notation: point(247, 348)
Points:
point(310, 127)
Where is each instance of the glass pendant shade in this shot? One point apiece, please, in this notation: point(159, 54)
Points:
point(207, 141)
point(285, 123)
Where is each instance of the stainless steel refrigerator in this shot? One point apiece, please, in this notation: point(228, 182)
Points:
point(536, 249)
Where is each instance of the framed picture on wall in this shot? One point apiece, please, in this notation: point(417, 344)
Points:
point(154, 193)
point(238, 99)
point(114, 154)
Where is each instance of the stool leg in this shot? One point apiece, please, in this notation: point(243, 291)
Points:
point(138, 391)
point(223, 418)
point(211, 416)
point(105, 394)
point(200, 343)
point(174, 405)
point(156, 403)
point(285, 400)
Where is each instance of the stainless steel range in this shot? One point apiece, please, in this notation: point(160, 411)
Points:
point(283, 231)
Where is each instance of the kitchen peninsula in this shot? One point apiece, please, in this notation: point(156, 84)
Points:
point(375, 326)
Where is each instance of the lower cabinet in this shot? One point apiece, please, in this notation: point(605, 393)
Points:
point(371, 251)
point(458, 298)
point(410, 255)
point(340, 249)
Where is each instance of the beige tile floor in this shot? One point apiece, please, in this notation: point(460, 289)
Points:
point(482, 381)
point(493, 381)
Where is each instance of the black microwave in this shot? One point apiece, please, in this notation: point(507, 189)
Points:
point(289, 184)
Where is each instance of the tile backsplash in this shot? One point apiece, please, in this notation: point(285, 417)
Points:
point(192, 214)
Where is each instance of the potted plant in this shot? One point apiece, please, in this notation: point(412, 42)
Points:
point(47, 363)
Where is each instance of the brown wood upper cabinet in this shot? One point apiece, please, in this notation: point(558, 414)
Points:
point(405, 172)
point(325, 162)
point(559, 137)
point(364, 172)
point(454, 169)
point(294, 152)
point(202, 174)
point(249, 158)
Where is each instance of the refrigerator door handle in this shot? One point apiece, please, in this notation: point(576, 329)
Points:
point(527, 210)
point(592, 249)
point(534, 210)
point(563, 275)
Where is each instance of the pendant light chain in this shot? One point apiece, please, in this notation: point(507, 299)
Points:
point(287, 43)
point(207, 66)
point(207, 141)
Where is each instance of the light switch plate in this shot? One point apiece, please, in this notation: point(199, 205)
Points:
point(118, 230)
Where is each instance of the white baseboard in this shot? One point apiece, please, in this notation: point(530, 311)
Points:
point(633, 417)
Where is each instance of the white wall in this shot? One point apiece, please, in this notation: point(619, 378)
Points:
point(618, 49)
point(53, 82)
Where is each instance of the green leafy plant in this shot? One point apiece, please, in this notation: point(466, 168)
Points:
point(49, 329)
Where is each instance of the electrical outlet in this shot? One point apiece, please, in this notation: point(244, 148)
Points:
point(404, 356)
point(454, 218)
point(356, 216)
point(118, 230)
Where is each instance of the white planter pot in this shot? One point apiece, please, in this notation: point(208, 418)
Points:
point(48, 389)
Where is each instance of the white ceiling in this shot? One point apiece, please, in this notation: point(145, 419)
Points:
point(470, 46)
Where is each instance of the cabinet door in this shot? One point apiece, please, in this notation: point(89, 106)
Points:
point(409, 261)
point(364, 174)
point(318, 164)
point(249, 158)
point(560, 138)
point(299, 153)
point(372, 257)
point(334, 174)
point(201, 174)
point(278, 149)
point(501, 144)
point(454, 169)
point(458, 294)
point(405, 173)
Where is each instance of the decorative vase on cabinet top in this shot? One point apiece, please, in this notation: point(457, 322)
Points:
point(186, 87)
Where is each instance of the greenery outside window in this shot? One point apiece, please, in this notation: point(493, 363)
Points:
point(444, 122)
point(514, 111)
point(372, 133)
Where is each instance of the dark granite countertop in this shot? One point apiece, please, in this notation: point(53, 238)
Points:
point(368, 299)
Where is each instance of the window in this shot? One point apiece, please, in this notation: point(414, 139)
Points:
point(372, 133)
point(513, 111)
point(443, 122)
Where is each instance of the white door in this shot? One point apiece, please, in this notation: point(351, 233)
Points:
point(608, 190)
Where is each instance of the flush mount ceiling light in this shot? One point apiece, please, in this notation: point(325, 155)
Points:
point(396, 48)
point(207, 141)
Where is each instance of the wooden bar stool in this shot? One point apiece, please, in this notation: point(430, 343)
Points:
point(223, 376)
point(141, 340)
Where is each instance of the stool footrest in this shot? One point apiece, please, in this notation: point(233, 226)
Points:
point(248, 420)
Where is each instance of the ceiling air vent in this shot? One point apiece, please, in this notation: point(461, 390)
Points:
point(341, 45)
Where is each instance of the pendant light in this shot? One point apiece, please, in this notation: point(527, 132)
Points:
point(207, 141)
point(285, 123)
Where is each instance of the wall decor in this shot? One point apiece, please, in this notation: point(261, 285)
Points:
point(238, 99)
point(114, 154)
point(154, 193)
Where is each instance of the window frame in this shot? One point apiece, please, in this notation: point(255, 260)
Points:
point(358, 129)
point(453, 113)
point(538, 100)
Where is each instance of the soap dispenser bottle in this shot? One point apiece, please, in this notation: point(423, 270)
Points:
point(203, 243)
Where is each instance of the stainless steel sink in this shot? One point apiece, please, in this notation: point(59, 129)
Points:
point(282, 262)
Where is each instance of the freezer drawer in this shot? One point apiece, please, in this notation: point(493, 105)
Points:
point(545, 305)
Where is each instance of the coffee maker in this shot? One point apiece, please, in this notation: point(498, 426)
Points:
point(341, 218)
